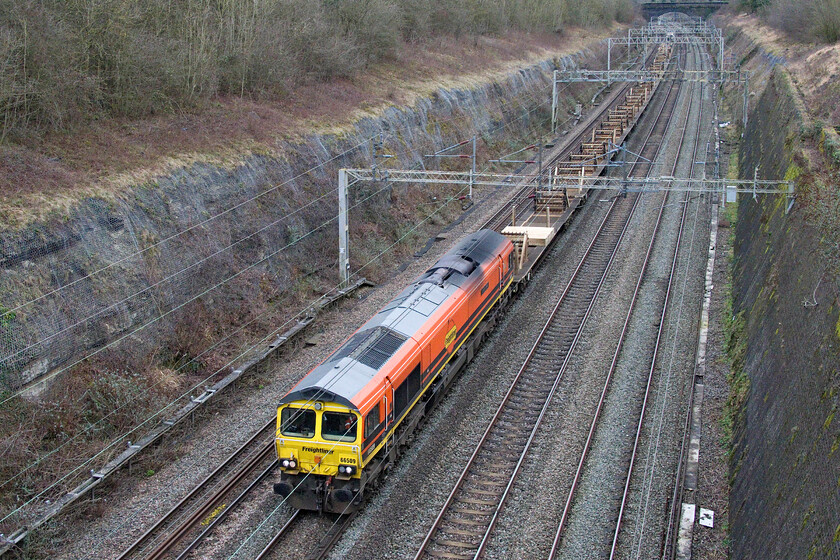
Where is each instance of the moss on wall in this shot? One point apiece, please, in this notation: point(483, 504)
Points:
point(785, 498)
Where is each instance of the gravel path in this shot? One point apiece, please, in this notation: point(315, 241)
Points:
point(713, 476)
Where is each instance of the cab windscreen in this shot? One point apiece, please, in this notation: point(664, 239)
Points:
point(297, 422)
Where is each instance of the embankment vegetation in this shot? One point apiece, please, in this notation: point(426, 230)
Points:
point(811, 20)
point(66, 62)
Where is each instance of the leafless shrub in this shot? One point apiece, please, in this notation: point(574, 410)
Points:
point(818, 20)
point(826, 24)
point(789, 16)
point(64, 62)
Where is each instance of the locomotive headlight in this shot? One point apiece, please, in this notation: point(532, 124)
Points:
point(292, 463)
point(346, 469)
point(286, 463)
point(342, 469)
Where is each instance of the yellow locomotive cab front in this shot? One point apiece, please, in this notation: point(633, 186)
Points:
point(318, 439)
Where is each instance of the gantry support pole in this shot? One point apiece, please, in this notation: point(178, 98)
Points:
point(791, 197)
point(628, 46)
point(472, 169)
point(343, 230)
point(554, 105)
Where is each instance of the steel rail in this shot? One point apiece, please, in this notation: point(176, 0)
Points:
point(677, 494)
point(519, 376)
point(590, 302)
point(207, 508)
point(659, 334)
point(614, 363)
point(208, 482)
point(331, 537)
point(324, 546)
point(485, 539)
point(649, 383)
point(280, 534)
point(228, 508)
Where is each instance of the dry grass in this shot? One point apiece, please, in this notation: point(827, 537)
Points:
point(814, 72)
point(49, 174)
point(769, 38)
point(814, 69)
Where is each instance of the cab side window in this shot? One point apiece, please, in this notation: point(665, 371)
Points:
point(372, 422)
point(510, 261)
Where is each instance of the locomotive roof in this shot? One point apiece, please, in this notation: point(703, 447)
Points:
point(350, 368)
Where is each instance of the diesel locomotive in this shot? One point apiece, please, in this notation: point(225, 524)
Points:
point(345, 422)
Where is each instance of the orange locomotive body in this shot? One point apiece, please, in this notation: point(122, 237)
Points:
point(344, 423)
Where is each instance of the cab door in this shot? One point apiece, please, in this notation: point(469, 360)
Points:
point(389, 403)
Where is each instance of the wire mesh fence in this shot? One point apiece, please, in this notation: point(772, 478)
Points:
point(116, 277)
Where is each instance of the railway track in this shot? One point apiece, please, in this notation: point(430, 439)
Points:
point(182, 529)
point(675, 498)
point(653, 353)
point(322, 548)
point(204, 501)
point(519, 204)
point(659, 340)
point(463, 527)
point(284, 530)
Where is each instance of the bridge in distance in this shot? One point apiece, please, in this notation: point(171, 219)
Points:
point(701, 8)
